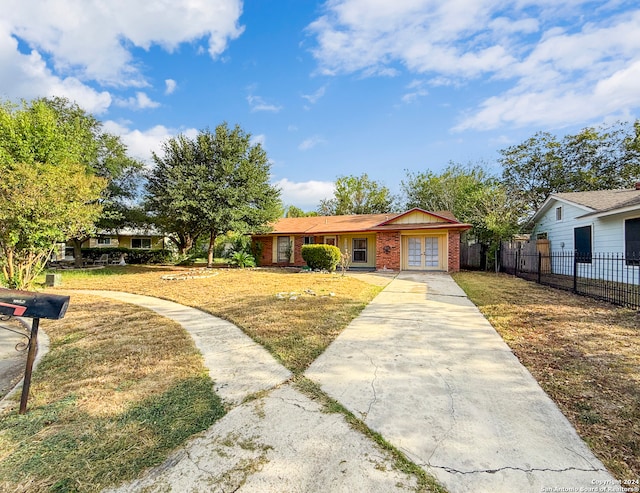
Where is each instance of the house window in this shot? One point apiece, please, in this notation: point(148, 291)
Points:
point(360, 250)
point(104, 241)
point(284, 249)
point(632, 241)
point(582, 242)
point(308, 240)
point(559, 213)
point(541, 236)
point(142, 243)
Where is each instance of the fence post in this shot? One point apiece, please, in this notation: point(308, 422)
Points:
point(515, 272)
point(575, 271)
point(539, 266)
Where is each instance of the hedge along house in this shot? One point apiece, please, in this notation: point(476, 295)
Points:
point(411, 240)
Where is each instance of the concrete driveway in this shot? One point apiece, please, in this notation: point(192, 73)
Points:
point(423, 367)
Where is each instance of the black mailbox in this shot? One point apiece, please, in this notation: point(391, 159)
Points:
point(34, 305)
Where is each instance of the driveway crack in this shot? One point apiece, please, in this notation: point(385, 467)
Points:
point(512, 468)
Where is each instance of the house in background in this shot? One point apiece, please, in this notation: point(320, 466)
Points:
point(411, 240)
point(602, 221)
point(133, 238)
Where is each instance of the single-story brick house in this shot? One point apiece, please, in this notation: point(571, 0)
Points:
point(411, 240)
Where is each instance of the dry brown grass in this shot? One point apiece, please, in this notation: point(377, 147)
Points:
point(585, 354)
point(295, 331)
point(120, 388)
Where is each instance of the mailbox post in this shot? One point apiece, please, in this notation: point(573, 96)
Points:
point(27, 304)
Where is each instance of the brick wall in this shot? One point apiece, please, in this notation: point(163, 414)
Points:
point(454, 251)
point(298, 241)
point(266, 257)
point(388, 250)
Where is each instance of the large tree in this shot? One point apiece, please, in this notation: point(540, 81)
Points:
point(106, 156)
point(357, 195)
point(170, 195)
point(606, 157)
point(472, 194)
point(214, 183)
point(47, 193)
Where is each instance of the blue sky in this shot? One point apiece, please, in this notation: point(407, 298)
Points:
point(331, 88)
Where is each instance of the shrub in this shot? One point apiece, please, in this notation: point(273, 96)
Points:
point(132, 256)
point(323, 257)
point(242, 260)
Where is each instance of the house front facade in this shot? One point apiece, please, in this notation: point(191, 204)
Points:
point(593, 224)
point(412, 240)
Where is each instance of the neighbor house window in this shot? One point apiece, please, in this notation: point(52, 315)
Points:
point(632, 241)
point(558, 213)
point(143, 243)
point(582, 242)
point(360, 250)
point(104, 241)
point(308, 240)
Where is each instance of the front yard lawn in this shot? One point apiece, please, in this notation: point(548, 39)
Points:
point(121, 386)
point(585, 354)
point(294, 315)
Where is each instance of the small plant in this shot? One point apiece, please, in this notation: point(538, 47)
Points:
point(345, 261)
point(242, 260)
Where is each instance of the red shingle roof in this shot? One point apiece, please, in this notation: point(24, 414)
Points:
point(318, 225)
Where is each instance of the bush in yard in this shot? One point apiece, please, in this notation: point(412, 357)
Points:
point(323, 257)
point(242, 260)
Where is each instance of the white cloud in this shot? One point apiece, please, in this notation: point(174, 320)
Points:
point(141, 143)
point(78, 45)
point(94, 38)
point(27, 76)
point(416, 90)
point(558, 62)
point(305, 195)
point(258, 139)
point(311, 142)
point(258, 104)
point(170, 86)
point(313, 98)
point(138, 102)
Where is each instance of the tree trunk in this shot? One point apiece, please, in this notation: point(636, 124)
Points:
point(77, 251)
point(212, 242)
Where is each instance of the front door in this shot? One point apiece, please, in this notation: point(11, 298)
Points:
point(423, 253)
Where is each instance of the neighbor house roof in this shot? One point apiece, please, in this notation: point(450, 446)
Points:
point(597, 202)
point(319, 225)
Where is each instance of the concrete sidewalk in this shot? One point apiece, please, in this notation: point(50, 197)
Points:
point(273, 439)
point(424, 368)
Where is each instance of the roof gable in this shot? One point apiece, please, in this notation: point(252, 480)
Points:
point(420, 216)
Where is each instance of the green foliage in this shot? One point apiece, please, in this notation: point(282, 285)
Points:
point(133, 255)
point(242, 260)
point(323, 257)
point(257, 247)
point(472, 195)
point(47, 192)
point(293, 211)
point(214, 183)
point(601, 158)
point(357, 195)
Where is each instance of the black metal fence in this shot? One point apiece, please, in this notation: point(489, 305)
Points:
point(606, 276)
